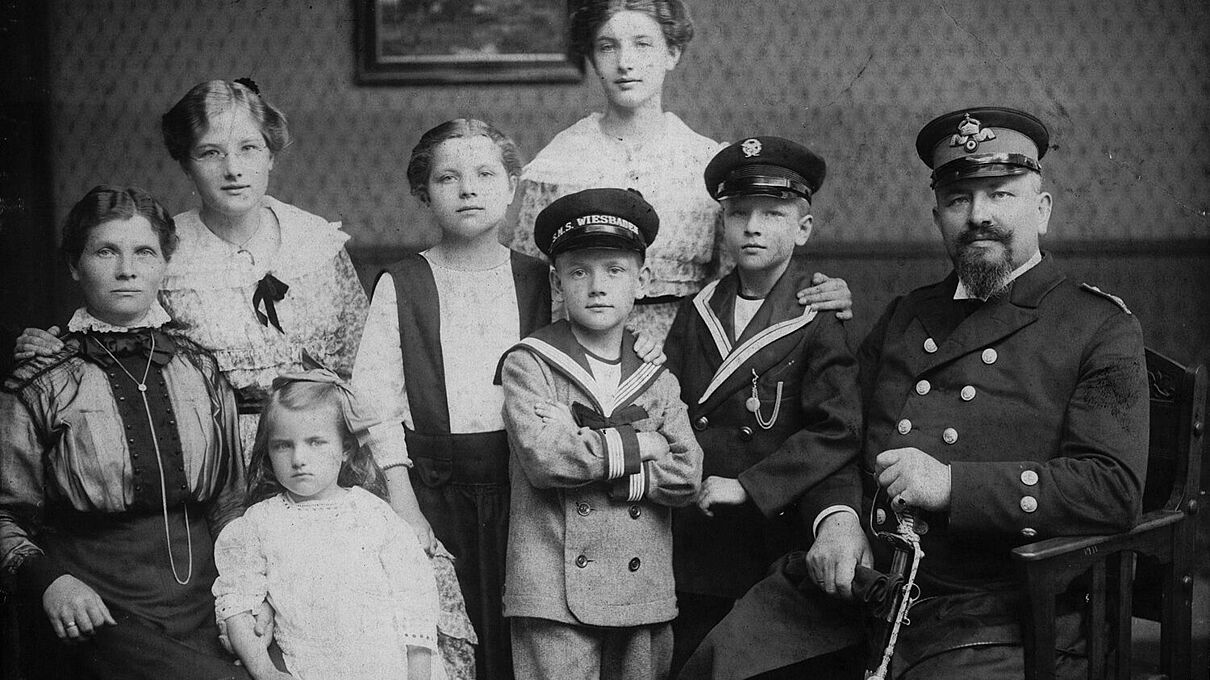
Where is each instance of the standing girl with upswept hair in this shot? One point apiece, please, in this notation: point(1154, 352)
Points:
point(438, 323)
point(632, 46)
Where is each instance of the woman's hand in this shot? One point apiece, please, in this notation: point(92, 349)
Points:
point(650, 348)
point(35, 342)
point(75, 610)
point(828, 294)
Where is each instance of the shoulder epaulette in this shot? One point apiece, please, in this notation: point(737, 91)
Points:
point(1112, 298)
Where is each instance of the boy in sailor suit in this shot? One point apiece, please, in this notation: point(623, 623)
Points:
point(601, 451)
point(773, 396)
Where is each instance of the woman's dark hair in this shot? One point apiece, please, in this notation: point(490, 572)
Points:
point(190, 117)
point(105, 203)
point(420, 166)
point(589, 16)
point(358, 468)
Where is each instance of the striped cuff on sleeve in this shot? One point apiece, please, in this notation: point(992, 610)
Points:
point(632, 487)
point(621, 451)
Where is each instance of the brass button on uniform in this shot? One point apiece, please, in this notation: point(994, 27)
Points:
point(635, 564)
point(949, 435)
point(922, 527)
point(967, 393)
point(879, 516)
point(635, 512)
point(583, 509)
point(904, 426)
point(745, 433)
point(701, 423)
point(923, 387)
point(1029, 503)
point(1028, 532)
point(989, 356)
point(581, 561)
point(930, 345)
point(1029, 478)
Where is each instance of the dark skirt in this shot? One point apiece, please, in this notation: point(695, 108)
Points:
point(461, 484)
point(164, 628)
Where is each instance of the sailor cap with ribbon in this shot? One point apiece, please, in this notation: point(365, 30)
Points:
point(596, 218)
point(987, 141)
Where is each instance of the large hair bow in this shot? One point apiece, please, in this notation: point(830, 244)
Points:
point(359, 418)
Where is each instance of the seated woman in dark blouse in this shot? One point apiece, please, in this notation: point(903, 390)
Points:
point(118, 464)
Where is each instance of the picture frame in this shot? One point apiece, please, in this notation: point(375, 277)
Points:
point(443, 42)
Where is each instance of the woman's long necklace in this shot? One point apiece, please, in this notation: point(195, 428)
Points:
point(155, 443)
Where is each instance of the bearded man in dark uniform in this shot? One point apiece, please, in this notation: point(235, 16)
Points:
point(1006, 404)
point(1003, 405)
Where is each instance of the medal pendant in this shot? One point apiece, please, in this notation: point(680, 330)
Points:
point(142, 387)
point(752, 404)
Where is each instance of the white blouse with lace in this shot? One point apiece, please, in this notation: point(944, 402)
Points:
point(210, 284)
point(349, 584)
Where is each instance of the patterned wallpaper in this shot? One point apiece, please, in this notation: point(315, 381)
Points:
point(1123, 84)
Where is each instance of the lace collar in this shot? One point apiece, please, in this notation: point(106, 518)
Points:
point(81, 321)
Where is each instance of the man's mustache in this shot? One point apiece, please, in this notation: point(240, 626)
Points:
point(984, 234)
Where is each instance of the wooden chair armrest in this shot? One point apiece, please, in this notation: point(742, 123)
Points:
point(1066, 547)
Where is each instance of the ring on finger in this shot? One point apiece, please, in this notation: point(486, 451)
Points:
point(70, 625)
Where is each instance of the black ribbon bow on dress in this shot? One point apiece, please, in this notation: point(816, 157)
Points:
point(588, 417)
point(128, 344)
point(268, 291)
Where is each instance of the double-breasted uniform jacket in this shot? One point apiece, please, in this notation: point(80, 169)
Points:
point(797, 455)
point(1038, 403)
point(590, 541)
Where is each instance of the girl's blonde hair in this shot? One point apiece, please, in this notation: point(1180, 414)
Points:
point(420, 166)
point(358, 468)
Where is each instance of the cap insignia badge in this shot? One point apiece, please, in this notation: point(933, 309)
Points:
point(970, 133)
point(750, 147)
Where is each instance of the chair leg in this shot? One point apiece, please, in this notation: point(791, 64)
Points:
point(1120, 620)
point(1040, 635)
point(1176, 629)
point(1096, 623)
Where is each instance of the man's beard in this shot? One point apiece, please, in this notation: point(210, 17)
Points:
point(984, 278)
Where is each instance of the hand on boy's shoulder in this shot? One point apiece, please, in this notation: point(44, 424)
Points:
point(649, 348)
point(827, 294)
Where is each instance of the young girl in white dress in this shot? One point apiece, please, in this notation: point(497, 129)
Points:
point(353, 594)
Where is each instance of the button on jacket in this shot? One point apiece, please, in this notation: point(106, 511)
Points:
point(1037, 401)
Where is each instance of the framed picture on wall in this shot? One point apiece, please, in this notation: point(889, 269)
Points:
point(463, 41)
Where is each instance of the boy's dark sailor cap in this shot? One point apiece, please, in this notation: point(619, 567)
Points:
point(765, 166)
point(596, 218)
point(985, 141)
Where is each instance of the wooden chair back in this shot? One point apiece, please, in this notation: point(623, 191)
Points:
point(1160, 549)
